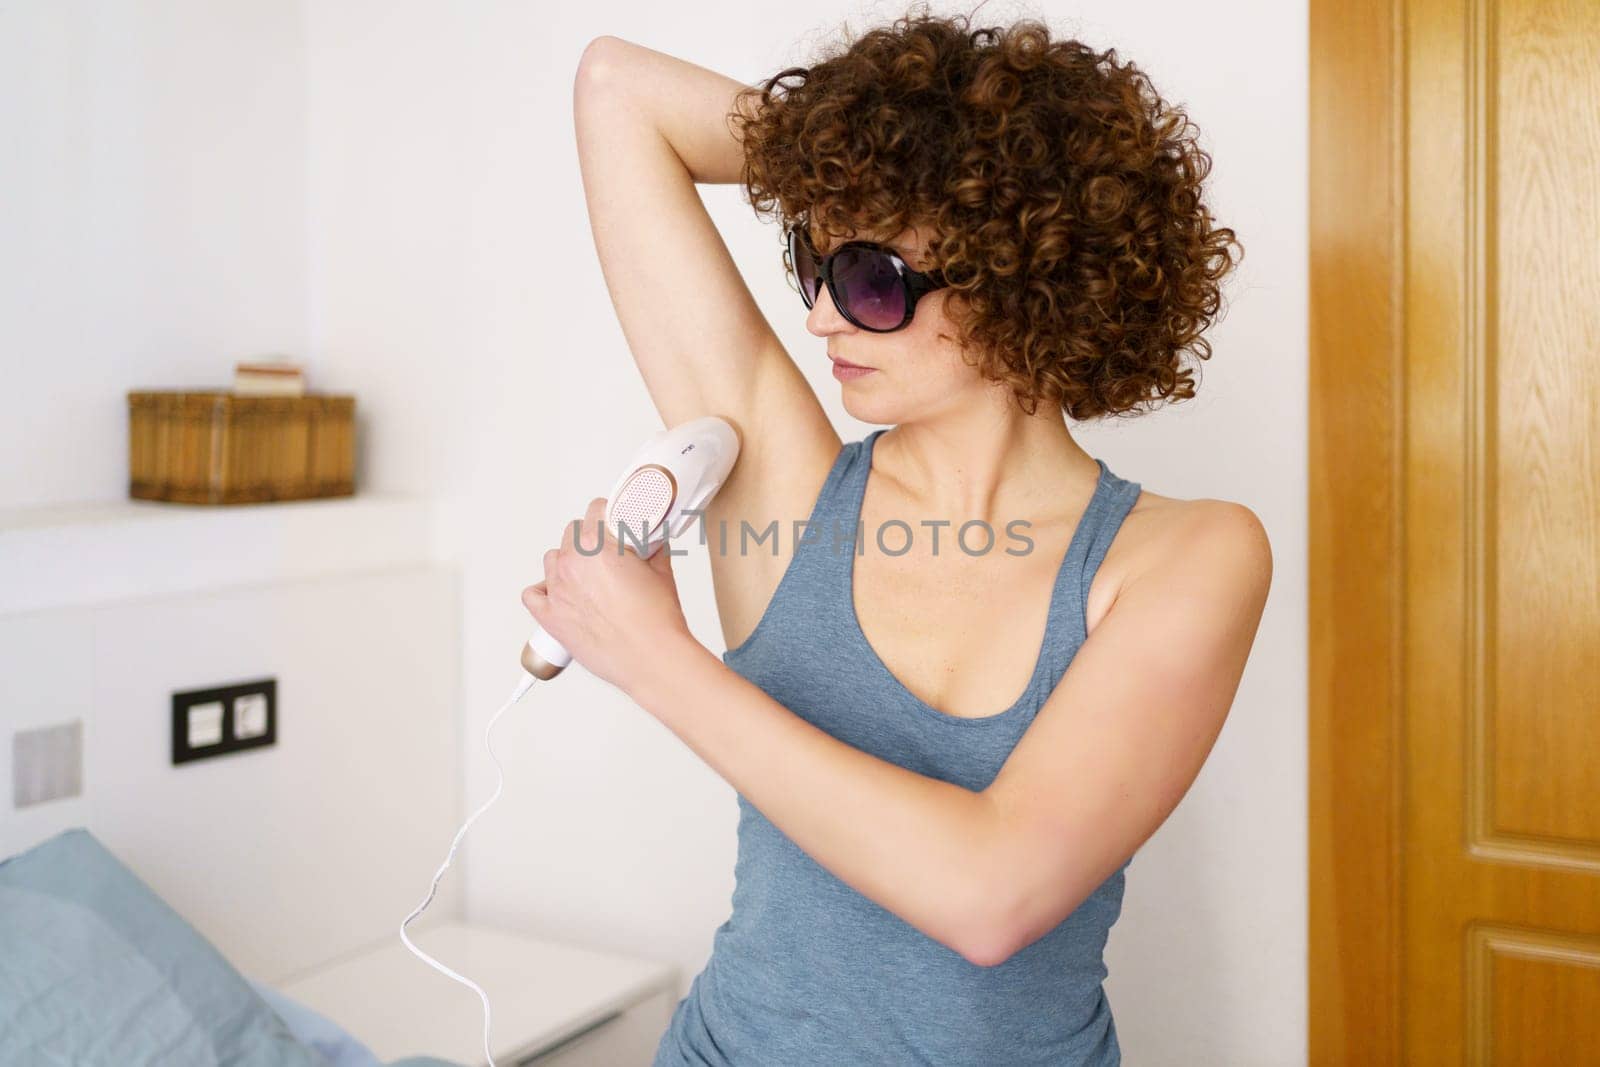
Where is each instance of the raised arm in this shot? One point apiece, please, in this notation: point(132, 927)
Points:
point(649, 126)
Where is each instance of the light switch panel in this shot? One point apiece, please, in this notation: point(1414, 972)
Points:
point(224, 719)
point(205, 724)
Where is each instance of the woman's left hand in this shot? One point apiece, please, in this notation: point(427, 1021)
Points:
point(617, 614)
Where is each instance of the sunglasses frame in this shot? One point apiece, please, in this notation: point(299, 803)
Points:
point(914, 283)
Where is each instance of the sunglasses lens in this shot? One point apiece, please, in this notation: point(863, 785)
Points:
point(870, 288)
point(805, 269)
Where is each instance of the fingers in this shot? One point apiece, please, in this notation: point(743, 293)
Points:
point(591, 528)
point(534, 597)
point(588, 535)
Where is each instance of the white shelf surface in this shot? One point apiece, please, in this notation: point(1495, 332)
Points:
point(76, 554)
point(540, 992)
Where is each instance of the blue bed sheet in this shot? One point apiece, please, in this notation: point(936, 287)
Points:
point(96, 969)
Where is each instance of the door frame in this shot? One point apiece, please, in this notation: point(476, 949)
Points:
point(1356, 218)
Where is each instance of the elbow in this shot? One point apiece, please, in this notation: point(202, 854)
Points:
point(989, 946)
point(988, 955)
point(599, 62)
point(992, 881)
point(1013, 921)
point(989, 932)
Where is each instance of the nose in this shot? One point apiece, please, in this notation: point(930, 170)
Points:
point(824, 319)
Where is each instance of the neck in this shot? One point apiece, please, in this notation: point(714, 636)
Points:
point(979, 463)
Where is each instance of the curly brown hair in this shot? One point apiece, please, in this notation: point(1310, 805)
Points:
point(1061, 195)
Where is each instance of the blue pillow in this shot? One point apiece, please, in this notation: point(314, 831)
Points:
point(336, 1044)
point(96, 969)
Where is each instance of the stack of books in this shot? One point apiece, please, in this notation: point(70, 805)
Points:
point(268, 378)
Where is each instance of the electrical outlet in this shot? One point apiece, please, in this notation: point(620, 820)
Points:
point(249, 715)
point(214, 722)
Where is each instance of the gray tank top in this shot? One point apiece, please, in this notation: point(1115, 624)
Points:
point(807, 971)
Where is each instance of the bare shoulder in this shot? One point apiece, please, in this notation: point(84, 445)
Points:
point(1164, 534)
point(1163, 531)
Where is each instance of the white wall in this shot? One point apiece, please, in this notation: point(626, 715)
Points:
point(446, 192)
point(152, 219)
point(400, 181)
point(153, 229)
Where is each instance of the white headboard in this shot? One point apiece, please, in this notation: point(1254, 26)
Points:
point(288, 856)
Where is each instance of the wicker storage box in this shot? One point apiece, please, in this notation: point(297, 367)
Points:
point(213, 447)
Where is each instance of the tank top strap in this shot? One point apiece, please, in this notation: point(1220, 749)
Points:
point(1113, 499)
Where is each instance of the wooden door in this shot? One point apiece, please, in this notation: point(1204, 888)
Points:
point(1455, 532)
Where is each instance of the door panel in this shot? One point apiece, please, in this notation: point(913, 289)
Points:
point(1476, 852)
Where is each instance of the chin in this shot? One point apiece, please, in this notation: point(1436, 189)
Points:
point(869, 408)
point(897, 406)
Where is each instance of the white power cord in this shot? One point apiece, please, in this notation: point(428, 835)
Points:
point(522, 687)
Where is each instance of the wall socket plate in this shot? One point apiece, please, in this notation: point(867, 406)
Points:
point(223, 719)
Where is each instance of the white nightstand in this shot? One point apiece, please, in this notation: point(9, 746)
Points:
point(554, 1005)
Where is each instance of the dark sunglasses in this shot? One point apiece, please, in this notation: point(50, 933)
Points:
point(870, 284)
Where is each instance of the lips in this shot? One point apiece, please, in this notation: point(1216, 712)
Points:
point(848, 365)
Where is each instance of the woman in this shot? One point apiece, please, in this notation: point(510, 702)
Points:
point(989, 229)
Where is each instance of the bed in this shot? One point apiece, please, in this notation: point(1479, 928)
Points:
point(96, 969)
